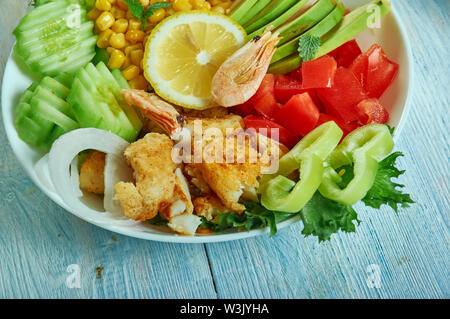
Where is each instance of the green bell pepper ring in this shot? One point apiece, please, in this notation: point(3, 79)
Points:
point(283, 194)
point(365, 147)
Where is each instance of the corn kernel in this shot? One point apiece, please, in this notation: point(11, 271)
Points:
point(129, 15)
point(120, 26)
point(116, 59)
point(104, 21)
point(136, 56)
point(206, 6)
point(139, 83)
point(122, 4)
point(103, 5)
point(93, 14)
point(144, 2)
point(130, 48)
point(181, 5)
point(218, 9)
point(135, 36)
point(110, 50)
point(135, 24)
point(112, 1)
point(225, 4)
point(117, 40)
point(214, 2)
point(126, 64)
point(130, 72)
point(157, 16)
point(103, 38)
point(118, 13)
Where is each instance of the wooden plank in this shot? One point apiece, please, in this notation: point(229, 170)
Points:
point(39, 240)
point(412, 249)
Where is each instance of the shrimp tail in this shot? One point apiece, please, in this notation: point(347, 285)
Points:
point(155, 108)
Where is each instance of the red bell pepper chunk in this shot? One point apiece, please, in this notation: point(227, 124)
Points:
point(371, 111)
point(296, 74)
point(346, 53)
point(299, 115)
point(244, 109)
point(359, 68)
point(258, 122)
point(345, 127)
point(266, 105)
point(264, 100)
point(286, 87)
point(267, 86)
point(342, 98)
point(319, 73)
point(381, 72)
point(375, 71)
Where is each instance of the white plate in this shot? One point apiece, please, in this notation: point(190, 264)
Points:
point(391, 36)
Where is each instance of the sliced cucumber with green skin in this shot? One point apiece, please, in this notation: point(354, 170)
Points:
point(240, 8)
point(350, 26)
point(42, 108)
point(88, 4)
point(259, 5)
point(320, 29)
point(273, 10)
point(55, 37)
point(97, 101)
point(305, 21)
point(281, 19)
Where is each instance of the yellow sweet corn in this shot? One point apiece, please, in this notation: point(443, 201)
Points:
point(116, 59)
point(105, 21)
point(117, 40)
point(130, 72)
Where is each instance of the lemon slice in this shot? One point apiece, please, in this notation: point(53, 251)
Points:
point(184, 52)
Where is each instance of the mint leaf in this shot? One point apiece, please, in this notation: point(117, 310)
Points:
point(136, 8)
point(308, 46)
point(323, 217)
point(384, 190)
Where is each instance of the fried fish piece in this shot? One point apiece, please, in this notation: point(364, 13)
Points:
point(92, 178)
point(160, 186)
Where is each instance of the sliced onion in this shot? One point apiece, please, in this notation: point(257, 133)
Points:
point(116, 170)
point(61, 157)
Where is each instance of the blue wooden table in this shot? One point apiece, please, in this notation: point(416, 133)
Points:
point(43, 248)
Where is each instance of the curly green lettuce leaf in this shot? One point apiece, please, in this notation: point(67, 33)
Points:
point(323, 217)
point(255, 216)
point(384, 190)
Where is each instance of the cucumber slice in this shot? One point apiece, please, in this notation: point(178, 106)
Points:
point(88, 4)
point(42, 107)
point(97, 101)
point(55, 37)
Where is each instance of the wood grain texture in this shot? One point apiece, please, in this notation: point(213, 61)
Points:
point(39, 240)
point(411, 249)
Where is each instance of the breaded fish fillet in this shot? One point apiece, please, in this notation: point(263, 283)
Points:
point(160, 186)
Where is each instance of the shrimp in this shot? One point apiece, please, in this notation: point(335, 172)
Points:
point(152, 106)
point(240, 76)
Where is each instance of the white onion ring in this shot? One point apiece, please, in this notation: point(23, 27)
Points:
point(61, 157)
